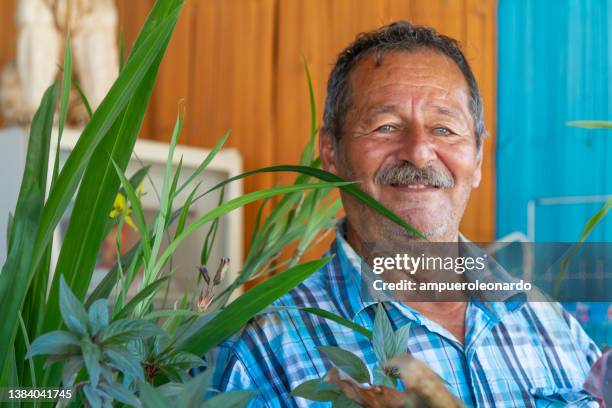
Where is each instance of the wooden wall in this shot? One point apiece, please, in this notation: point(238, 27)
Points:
point(238, 64)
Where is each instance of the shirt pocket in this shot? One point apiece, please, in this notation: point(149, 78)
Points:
point(551, 397)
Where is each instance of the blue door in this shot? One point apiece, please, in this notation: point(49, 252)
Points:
point(555, 66)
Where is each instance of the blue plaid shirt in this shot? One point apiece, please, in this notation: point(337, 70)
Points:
point(515, 354)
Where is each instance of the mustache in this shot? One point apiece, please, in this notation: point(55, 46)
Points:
point(406, 173)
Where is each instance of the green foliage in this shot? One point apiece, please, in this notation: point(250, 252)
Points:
point(317, 390)
point(347, 362)
point(591, 222)
point(105, 349)
point(387, 344)
point(591, 124)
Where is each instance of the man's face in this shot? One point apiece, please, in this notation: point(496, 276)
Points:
point(408, 139)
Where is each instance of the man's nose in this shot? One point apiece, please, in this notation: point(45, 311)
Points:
point(417, 147)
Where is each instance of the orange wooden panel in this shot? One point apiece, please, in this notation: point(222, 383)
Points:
point(316, 30)
point(172, 85)
point(481, 50)
point(447, 16)
point(230, 83)
point(239, 65)
point(7, 34)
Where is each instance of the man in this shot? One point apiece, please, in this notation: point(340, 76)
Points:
point(403, 118)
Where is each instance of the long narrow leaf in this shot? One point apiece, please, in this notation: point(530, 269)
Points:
point(213, 152)
point(308, 152)
point(142, 295)
point(130, 81)
point(65, 97)
point(232, 205)
point(15, 276)
point(164, 205)
point(141, 223)
point(591, 124)
point(351, 189)
point(237, 313)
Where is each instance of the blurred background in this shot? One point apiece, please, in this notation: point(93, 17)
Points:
point(238, 64)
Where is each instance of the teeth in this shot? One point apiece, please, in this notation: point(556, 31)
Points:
point(416, 186)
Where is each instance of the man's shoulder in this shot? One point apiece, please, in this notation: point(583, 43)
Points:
point(284, 317)
point(276, 346)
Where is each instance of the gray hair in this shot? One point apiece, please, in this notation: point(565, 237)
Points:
point(398, 36)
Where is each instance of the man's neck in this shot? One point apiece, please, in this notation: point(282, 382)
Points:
point(450, 315)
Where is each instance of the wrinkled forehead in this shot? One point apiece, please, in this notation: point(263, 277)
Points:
point(429, 71)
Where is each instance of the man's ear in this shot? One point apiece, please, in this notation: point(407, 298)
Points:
point(327, 152)
point(478, 172)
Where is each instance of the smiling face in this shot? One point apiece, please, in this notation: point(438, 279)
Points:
point(408, 139)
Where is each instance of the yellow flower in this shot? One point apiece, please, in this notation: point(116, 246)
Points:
point(140, 190)
point(120, 208)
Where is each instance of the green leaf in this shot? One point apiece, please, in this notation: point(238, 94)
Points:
point(237, 313)
point(64, 99)
point(126, 330)
point(72, 310)
point(9, 227)
point(142, 295)
point(26, 339)
point(213, 152)
point(53, 343)
point(124, 361)
point(594, 220)
point(308, 152)
point(171, 389)
point(98, 316)
point(232, 399)
point(194, 391)
point(184, 361)
point(330, 316)
point(347, 362)
point(91, 358)
point(121, 50)
point(151, 272)
point(229, 206)
point(591, 124)
point(171, 193)
point(76, 85)
point(400, 343)
point(211, 235)
point(93, 397)
point(139, 216)
point(383, 336)
point(345, 402)
point(588, 228)
point(156, 314)
point(119, 393)
point(71, 368)
point(180, 226)
point(16, 275)
point(317, 390)
point(349, 188)
point(152, 398)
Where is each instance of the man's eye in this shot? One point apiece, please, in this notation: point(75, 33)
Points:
point(386, 129)
point(442, 131)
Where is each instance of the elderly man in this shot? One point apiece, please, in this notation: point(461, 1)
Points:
point(403, 118)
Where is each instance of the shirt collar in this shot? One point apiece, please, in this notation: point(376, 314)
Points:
point(351, 266)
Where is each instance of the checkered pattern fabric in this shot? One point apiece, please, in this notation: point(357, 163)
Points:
point(515, 354)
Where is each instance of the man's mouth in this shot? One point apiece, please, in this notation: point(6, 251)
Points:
point(415, 186)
